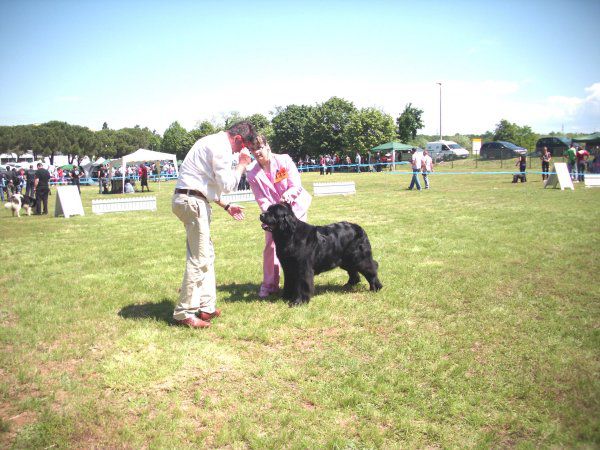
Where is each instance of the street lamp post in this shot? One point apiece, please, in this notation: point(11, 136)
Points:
point(440, 110)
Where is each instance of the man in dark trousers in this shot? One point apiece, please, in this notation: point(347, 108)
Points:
point(29, 181)
point(41, 188)
point(75, 174)
point(143, 172)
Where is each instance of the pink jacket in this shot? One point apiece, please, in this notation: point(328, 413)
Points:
point(285, 178)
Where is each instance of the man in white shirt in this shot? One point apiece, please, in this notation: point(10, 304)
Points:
point(206, 174)
point(427, 167)
point(416, 162)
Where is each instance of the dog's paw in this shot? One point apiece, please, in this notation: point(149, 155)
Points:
point(297, 302)
point(376, 286)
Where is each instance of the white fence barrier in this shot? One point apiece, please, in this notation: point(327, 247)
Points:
point(123, 204)
point(592, 180)
point(340, 188)
point(238, 196)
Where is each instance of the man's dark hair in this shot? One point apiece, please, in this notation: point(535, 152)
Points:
point(245, 129)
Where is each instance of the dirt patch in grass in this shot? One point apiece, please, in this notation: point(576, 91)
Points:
point(13, 422)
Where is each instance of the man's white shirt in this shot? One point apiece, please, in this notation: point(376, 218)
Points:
point(207, 167)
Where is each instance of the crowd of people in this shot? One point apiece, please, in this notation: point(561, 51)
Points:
point(579, 160)
point(327, 164)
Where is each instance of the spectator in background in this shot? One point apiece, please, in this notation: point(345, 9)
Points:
point(41, 188)
point(546, 158)
point(522, 163)
point(416, 163)
point(75, 175)
point(29, 181)
point(357, 161)
point(571, 156)
point(427, 167)
point(2, 185)
point(143, 172)
point(128, 187)
point(582, 157)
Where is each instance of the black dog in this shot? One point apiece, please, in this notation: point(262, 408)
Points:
point(305, 250)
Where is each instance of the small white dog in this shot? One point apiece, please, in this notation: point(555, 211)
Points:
point(15, 204)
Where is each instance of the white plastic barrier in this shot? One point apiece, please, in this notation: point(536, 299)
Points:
point(592, 180)
point(123, 204)
point(238, 196)
point(339, 188)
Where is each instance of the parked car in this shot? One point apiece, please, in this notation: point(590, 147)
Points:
point(556, 145)
point(500, 150)
point(446, 150)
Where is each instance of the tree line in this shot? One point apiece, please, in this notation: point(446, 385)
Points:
point(335, 126)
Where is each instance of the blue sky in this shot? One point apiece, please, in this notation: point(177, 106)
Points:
point(150, 63)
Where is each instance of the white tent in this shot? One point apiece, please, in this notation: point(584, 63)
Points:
point(87, 168)
point(143, 155)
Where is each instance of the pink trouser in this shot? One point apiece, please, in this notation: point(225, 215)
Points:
point(271, 266)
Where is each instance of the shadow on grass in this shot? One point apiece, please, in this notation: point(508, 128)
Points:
point(158, 311)
point(248, 292)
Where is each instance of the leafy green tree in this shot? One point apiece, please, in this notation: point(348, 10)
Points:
point(327, 126)
point(260, 122)
point(230, 118)
point(177, 140)
point(368, 128)
point(522, 136)
point(409, 122)
point(204, 128)
point(290, 130)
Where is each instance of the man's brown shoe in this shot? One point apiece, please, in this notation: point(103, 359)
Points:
point(193, 322)
point(207, 316)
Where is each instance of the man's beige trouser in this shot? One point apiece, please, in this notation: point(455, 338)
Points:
point(198, 289)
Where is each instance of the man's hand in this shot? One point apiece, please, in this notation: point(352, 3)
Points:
point(245, 158)
point(236, 211)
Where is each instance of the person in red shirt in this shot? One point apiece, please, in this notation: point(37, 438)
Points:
point(144, 177)
point(582, 156)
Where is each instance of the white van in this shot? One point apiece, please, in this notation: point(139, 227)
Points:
point(446, 150)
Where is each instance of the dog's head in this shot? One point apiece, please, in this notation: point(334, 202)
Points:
point(279, 218)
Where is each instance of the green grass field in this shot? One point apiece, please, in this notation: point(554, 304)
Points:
point(486, 333)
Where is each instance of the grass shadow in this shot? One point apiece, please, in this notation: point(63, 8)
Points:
point(162, 311)
point(244, 292)
point(248, 292)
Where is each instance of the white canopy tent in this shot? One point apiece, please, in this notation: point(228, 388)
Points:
point(87, 168)
point(143, 155)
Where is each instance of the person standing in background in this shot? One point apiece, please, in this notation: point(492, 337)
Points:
point(416, 163)
point(582, 157)
point(29, 181)
point(75, 174)
point(41, 189)
point(546, 158)
point(427, 167)
point(571, 156)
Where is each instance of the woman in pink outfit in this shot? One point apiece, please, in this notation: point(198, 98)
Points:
point(273, 179)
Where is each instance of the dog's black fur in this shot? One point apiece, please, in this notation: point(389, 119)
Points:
point(305, 250)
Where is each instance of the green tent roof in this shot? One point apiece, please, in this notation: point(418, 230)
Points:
point(392, 146)
point(593, 138)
